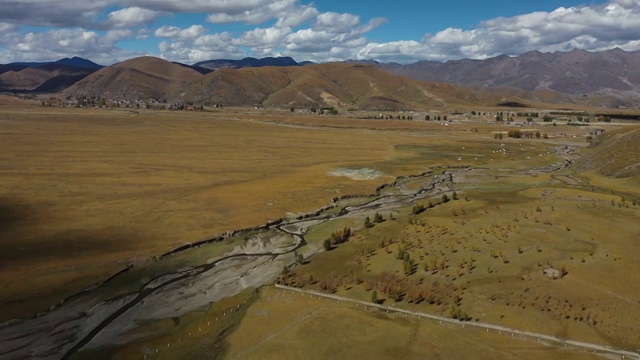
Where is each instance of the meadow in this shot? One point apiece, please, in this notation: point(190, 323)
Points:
point(87, 193)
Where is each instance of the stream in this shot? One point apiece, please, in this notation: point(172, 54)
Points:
point(80, 323)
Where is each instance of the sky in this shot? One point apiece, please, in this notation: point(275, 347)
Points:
point(404, 31)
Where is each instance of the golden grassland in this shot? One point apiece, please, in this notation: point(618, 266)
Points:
point(85, 193)
point(285, 325)
point(484, 255)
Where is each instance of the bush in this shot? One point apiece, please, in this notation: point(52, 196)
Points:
point(515, 134)
point(417, 209)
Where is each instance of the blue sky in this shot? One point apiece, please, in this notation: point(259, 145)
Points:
point(405, 31)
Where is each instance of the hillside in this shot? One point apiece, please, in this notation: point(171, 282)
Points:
point(613, 73)
point(136, 79)
point(616, 154)
point(46, 76)
point(340, 85)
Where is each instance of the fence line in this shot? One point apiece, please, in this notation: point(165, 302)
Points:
point(500, 329)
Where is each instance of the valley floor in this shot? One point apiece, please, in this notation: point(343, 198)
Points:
point(469, 227)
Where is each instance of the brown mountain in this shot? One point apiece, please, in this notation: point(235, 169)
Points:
point(340, 85)
point(614, 73)
point(30, 78)
point(40, 77)
point(137, 79)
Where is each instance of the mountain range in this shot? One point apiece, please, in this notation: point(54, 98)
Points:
point(338, 85)
point(609, 78)
point(577, 72)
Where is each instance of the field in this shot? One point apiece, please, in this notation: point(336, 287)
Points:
point(87, 193)
point(84, 193)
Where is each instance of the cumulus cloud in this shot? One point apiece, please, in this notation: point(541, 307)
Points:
point(191, 45)
point(201, 6)
point(616, 23)
point(131, 17)
point(178, 34)
point(262, 37)
point(52, 12)
point(56, 44)
point(294, 28)
point(289, 13)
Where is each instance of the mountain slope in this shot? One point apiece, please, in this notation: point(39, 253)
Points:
point(79, 62)
point(578, 72)
point(136, 79)
point(615, 153)
point(33, 76)
point(340, 85)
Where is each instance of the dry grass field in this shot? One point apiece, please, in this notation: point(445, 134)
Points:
point(86, 193)
point(484, 255)
point(284, 325)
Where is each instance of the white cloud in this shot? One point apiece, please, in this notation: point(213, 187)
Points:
point(52, 12)
point(296, 16)
point(616, 23)
point(131, 17)
point(201, 6)
point(294, 28)
point(336, 23)
point(192, 44)
point(179, 34)
point(289, 11)
point(261, 37)
point(56, 44)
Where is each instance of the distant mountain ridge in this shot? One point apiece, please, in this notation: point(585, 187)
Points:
point(607, 78)
point(79, 63)
point(41, 77)
point(248, 62)
point(608, 73)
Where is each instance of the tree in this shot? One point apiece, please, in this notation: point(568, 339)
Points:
point(377, 218)
point(455, 195)
point(367, 222)
point(374, 297)
point(417, 209)
point(299, 258)
point(445, 198)
point(326, 245)
point(427, 117)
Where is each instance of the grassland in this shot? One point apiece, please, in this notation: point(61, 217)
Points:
point(281, 325)
point(483, 257)
point(86, 193)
